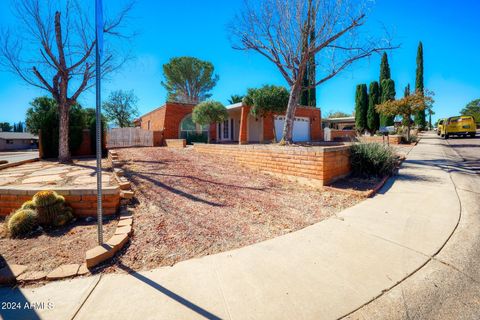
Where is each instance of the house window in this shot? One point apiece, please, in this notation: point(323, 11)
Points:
point(225, 129)
point(193, 132)
point(148, 125)
point(9, 141)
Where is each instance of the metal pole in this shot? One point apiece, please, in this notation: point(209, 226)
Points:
point(99, 142)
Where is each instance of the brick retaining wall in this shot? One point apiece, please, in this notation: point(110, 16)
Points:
point(318, 165)
point(392, 139)
point(175, 143)
point(83, 202)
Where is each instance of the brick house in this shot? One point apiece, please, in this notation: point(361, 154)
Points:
point(175, 121)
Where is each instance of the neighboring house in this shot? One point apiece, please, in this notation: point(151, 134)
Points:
point(175, 120)
point(17, 141)
point(344, 123)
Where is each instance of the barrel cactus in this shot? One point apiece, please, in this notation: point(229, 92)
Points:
point(30, 205)
point(22, 222)
point(51, 209)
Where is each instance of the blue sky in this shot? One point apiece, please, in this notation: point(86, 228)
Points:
point(449, 31)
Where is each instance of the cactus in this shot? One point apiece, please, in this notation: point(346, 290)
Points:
point(45, 198)
point(30, 205)
point(51, 209)
point(22, 222)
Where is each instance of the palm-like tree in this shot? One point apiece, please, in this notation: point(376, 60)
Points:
point(235, 98)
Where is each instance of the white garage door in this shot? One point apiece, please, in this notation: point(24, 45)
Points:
point(301, 128)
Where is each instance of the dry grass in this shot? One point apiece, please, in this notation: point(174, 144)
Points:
point(190, 205)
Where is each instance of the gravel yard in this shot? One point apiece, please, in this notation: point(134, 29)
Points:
point(190, 205)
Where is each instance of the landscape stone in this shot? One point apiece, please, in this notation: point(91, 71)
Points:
point(9, 273)
point(64, 271)
point(32, 276)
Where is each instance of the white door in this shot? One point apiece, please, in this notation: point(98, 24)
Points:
point(225, 130)
point(301, 128)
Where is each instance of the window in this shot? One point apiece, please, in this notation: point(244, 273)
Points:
point(225, 129)
point(193, 132)
point(9, 141)
point(148, 125)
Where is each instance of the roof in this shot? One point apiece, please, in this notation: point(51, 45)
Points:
point(234, 106)
point(17, 135)
point(342, 119)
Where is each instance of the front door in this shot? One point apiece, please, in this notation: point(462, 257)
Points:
point(225, 130)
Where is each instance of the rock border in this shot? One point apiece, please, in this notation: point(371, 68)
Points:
point(12, 273)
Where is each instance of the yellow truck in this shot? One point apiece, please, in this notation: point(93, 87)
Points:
point(459, 126)
point(440, 126)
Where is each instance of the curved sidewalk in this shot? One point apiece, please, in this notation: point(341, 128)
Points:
point(324, 271)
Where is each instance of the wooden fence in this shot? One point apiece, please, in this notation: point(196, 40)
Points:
point(129, 137)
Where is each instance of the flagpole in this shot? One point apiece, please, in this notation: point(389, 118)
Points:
point(98, 125)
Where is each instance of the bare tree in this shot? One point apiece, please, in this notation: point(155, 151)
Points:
point(276, 29)
point(52, 48)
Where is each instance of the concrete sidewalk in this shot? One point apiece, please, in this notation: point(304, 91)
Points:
point(325, 271)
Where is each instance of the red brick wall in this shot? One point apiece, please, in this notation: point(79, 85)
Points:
point(393, 139)
point(156, 118)
point(82, 205)
point(344, 135)
point(322, 165)
point(175, 112)
point(167, 119)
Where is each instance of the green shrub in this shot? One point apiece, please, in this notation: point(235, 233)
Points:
point(372, 159)
point(21, 223)
point(51, 209)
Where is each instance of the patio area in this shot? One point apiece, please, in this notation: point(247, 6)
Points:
point(76, 181)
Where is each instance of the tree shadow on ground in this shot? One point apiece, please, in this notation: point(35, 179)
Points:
point(136, 175)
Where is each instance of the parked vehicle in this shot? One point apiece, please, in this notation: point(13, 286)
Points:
point(440, 126)
point(459, 126)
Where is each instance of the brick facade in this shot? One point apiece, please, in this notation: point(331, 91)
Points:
point(167, 119)
point(319, 165)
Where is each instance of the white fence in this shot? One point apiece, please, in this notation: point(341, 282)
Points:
point(129, 137)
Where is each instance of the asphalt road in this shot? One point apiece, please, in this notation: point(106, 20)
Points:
point(447, 287)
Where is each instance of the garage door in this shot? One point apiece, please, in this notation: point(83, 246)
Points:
point(301, 128)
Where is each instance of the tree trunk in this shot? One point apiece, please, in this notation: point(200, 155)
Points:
point(290, 114)
point(63, 148)
point(408, 130)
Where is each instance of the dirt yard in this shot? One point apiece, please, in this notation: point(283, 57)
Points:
point(47, 250)
point(191, 205)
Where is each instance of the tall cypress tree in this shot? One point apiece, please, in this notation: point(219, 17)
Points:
point(419, 88)
point(388, 93)
point(309, 97)
point(384, 75)
point(373, 118)
point(312, 74)
point(361, 107)
point(384, 70)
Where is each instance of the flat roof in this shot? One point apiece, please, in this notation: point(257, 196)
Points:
point(342, 119)
point(16, 135)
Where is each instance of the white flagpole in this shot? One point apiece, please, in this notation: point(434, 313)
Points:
point(99, 38)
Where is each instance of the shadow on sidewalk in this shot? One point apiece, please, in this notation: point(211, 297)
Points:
point(14, 305)
point(172, 295)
